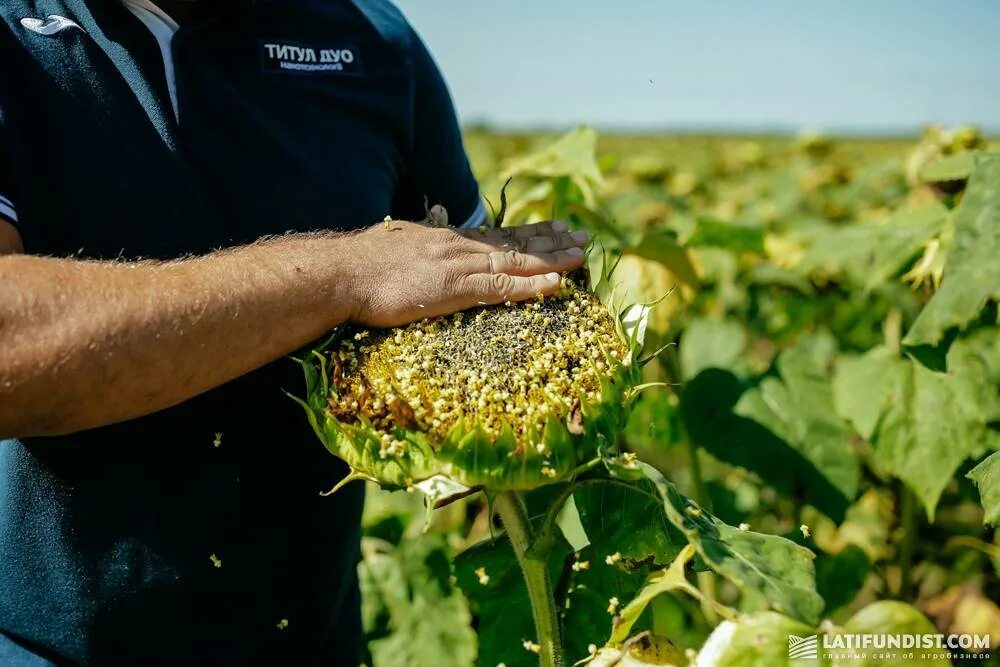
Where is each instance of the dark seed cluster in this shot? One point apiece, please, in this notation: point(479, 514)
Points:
point(509, 365)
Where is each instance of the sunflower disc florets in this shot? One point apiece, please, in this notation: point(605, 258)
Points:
point(512, 396)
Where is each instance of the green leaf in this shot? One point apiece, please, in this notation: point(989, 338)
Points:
point(599, 269)
point(860, 385)
point(891, 617)
point(531, 205)
point(628, 521)
point(769, 274)
point(840, 576)
point(762, 640)
point(779, 569)
point(707, 407)
point(734, 238)
point(663, 248)
point(572, 156)
point(986, 475)
point(798, 408)
point(931, 422)
point(955, 167)
point(645, 650)
point(922, 424)
point(868, 522)
point(972, 273)
point(984, 345)
point(412, 613)
point(671, 579)
point(621, 520)
point(634, 322)
point(756, 640)
point(708, 343)
point(571, 526)
point(975, 359)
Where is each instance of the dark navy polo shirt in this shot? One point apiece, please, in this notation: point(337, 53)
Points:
point(196, 536)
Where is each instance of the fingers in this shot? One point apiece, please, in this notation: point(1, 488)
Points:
point(422, 271)
point(484, 288)
point(500, 234)
point(553, 243)
point(524, 264)
point(541, 237)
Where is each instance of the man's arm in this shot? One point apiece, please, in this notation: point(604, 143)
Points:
point(85, 344)
point(436, 139)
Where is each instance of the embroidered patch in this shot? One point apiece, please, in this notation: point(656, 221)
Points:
point(50, 25)
point(283, 57)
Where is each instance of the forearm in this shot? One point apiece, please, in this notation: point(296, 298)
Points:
point(84, 344)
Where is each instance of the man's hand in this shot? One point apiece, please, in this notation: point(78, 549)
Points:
point(411, 271)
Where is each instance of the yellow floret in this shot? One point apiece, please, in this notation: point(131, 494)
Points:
point(509, 367)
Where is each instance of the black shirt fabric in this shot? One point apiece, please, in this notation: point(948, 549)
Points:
point(182, 10)
point(197, 536)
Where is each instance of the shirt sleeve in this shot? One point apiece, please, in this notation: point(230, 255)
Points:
point(8, 211)
point(437, 167)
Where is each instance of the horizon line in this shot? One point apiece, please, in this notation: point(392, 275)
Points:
point(733, 129)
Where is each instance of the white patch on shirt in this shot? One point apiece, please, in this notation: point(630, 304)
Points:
point(50, 25)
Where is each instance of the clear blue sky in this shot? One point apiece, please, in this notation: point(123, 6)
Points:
point(852, 65)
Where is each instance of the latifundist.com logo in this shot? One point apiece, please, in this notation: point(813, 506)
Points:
point(806, 648)
point(881, 646)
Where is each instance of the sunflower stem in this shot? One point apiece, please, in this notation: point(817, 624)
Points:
point(534, 567)
point(910, 524)
point(706, 580)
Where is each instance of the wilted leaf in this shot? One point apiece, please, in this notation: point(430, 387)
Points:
point(644, 650)
point(874, 252)
point(532, 205)
point(965, 610)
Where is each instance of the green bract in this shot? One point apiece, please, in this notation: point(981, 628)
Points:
point(504, 397)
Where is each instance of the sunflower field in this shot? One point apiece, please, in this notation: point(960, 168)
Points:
point(770, 412)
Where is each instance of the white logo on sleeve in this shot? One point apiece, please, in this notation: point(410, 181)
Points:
point(50, 25)
point(279, 56)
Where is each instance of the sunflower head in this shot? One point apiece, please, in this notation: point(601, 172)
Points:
point(512, 396)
